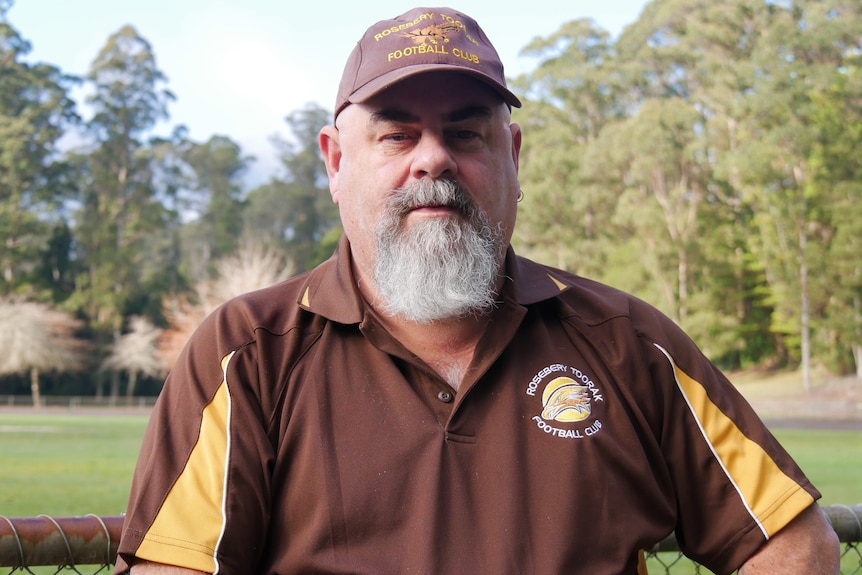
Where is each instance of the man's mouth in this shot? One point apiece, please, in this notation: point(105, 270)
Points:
point(434, 209)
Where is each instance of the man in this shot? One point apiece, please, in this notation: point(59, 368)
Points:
point(428, 402)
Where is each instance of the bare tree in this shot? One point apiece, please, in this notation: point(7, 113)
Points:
point(136, 353)
point(35, 337)
point(252, 266)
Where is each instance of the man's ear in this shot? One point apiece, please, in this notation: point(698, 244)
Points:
point(330, 147)
point(516, 144)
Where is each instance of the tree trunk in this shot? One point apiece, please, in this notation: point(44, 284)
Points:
point(682, 298)
point(34, 388)
point(805, 312)
point(115, 388)
point(130, 391)
point(856, 346)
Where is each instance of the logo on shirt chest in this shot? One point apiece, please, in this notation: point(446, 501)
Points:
point(566, 399)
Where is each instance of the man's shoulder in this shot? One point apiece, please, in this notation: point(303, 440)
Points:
point(593, 303)
point(271, 303)
point(591, 300)
point(276, 309)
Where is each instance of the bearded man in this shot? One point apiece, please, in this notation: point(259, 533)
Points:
point(429, 402)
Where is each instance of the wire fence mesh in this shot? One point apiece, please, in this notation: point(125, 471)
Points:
point(87, 545)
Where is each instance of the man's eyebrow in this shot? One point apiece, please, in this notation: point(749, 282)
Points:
point(469, 113)
point(403, 117)
point(392, 115)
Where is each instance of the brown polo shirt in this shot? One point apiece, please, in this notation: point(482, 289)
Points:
point(294, 435)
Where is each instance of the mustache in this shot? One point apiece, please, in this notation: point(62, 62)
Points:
point(426, 192)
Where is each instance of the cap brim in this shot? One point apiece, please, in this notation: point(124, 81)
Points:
point(374, 87)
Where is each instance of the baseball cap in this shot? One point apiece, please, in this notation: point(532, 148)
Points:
point(420, 40)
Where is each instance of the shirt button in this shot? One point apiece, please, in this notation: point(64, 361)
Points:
point(444, 396)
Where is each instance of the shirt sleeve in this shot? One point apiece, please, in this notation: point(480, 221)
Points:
point(204, 457)
point(736, 486)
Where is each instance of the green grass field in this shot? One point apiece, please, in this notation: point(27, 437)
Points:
point(74, 465)
point(65, 465)
point(831, 459)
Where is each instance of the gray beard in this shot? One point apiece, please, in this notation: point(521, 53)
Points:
point(443, 268)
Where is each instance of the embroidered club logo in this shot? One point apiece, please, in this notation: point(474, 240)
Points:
point(569, 398)
point(431, 35)
point(565, 400)
point(434, 34)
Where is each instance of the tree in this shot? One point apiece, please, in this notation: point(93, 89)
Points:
point(705, 118)
point(665, 187)
point(216, 168)
point(295, 213)
point(136, 353)
point(253, 266)
point(574, 93)
point(699, 57)
point(810, 44)
point(37, 338)
point(837, 168)
point(35, 111)
point(120, 207)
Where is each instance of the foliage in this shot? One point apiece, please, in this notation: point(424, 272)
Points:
point(252, 267)
point(118, 205)
point(136, 352)
point(294, 213)
point(36, 338)
point(705, 160)
point(35, 110)
point(721, 147)
point(216, 166)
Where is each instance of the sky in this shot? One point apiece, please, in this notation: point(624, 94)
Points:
point(238, 68)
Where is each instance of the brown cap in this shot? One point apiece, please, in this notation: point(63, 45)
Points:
point(421, 40)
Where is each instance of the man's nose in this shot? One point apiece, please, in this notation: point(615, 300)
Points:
point(433, 158)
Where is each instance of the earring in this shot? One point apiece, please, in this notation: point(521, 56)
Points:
point(520, 195)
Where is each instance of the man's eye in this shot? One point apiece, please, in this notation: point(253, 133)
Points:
point(397, 137)
point(465, 134)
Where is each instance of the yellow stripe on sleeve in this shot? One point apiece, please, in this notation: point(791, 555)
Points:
point(191, 521)
point(770, 495)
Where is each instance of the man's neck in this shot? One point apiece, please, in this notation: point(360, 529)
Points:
point(447, 346)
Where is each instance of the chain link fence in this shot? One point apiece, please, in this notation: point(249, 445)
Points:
point(88, 545)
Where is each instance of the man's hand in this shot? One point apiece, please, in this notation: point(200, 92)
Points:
point(807, 545)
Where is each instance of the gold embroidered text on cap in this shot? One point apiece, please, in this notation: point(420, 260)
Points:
point(418, 41)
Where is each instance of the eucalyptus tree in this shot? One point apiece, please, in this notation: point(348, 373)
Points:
point(119, 202)
point(214, 171)
point(293, 212)
point(35, 112)
point(699, 58)
point(811, 46)
point(573, 92)
point(659, 155)
point(837, 171)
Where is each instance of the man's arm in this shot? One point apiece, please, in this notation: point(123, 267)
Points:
point(147, 568)
point(807, 545)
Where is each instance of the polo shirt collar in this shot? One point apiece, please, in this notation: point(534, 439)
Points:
point(330, 289)
point(528, 282)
